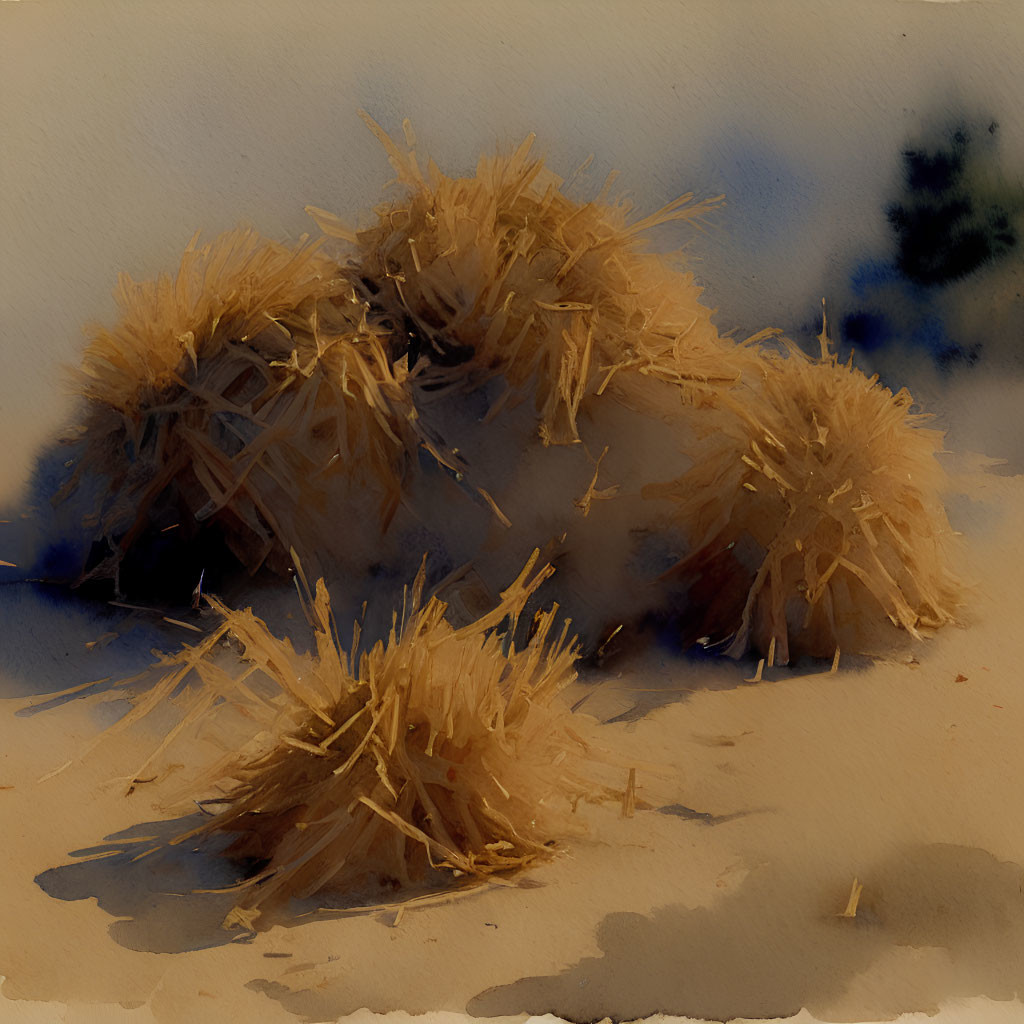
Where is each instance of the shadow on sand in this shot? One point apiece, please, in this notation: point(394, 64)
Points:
point(154, 896)
point(168, 900)
point(779, 945)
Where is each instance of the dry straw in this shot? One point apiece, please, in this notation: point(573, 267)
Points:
point(439, 750)
point(235, 392)
point(814, 513)
point(503, 274)
point(243, 389)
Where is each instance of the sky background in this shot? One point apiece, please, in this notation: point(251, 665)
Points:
point(128, 127)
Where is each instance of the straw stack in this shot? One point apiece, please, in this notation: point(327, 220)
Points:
point(438, 750)
point(236, 393)
point(503, 275)
point(814, 514)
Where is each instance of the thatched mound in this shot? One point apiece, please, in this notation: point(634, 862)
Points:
point(439, 750)
point(503, 274)
point(235, 392)
point(814, 514)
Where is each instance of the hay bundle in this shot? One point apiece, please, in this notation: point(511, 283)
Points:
point(234, 393)
point(504, 275)
point(813, 514)
point(441, 748)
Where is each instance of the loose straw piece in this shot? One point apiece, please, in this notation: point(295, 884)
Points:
point(851, 904)
point(629, 797)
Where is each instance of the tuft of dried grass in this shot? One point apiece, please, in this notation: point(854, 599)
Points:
point(503, 274)
point(439, 749)
point(233, 392)
point(814, 513)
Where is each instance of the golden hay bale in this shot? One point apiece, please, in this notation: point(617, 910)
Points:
point(502, 274)
point(813, 514)
point(440, 749)
point(234, 392)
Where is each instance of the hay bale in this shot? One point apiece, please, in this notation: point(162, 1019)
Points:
point(813, 514)
point(439, 750)
point(503, 274)
point(236, 393)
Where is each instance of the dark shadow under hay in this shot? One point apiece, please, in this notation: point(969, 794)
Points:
point(154, 897)
point(168, 900)
point(48, 631)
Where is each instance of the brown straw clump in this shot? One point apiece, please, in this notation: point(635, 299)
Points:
point(814, 514)
point(503, 274)
point(441, 748)
point(232, 392)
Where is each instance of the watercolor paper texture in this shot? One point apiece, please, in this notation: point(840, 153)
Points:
point(837, 838)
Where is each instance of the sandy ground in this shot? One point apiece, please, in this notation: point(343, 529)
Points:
point(129, 128)
point(903, 774)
